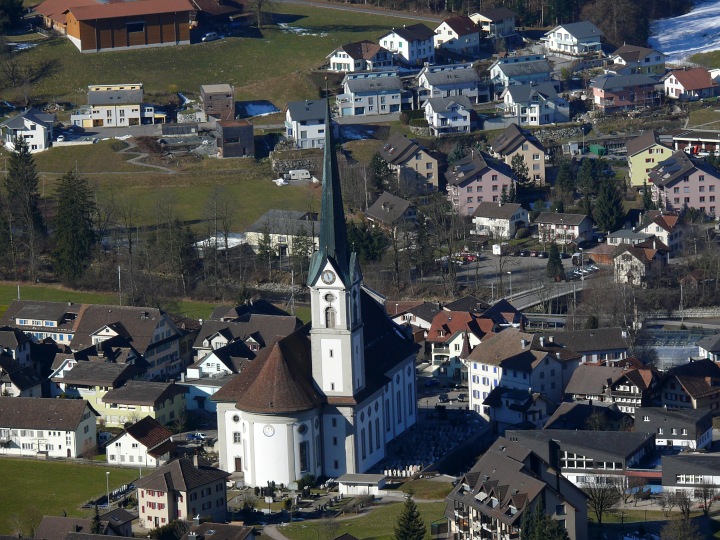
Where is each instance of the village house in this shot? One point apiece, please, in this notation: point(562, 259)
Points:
point(689, 84)
point(631, 60)
point(499, 221)
point(497, 23)
point(637, 265)
point(359, 56)
point(392, 212)
point(452, 335)
point(563, 228)
point(416, 170)
point(588, 415)
point(412, 45)
point(244, 310)
point(692, 474)
point(218, 101)
point(514, 141)
point(33, 126)
point(282, 229)
point(489, 501)
point(116, 105)
point(93, 25)
point(697, 142)
point(449, 115)
point(666, 227)
point(613, 93)
point(89, 380)
point(573, 39)
point(693, 385)
point(56, 428)
point(219, 531)
point(146, 443)
point(459, 35)
point(512, 408)
point(533, 105)
point(162, 401)
point(519, 70)
point(680, 181)
point(477, 178)
point(627, 236)
point(236, 138)
point(628, 387)
point(597, 345)
point(676, 428)
point(16, 344)
point(65, 528)
point(305, 123)
point(449, 81)
point(120, 521)
point(181, 490)
point(516, 360)
point(41, 320)
point(588, 456)
point(643, 153)
point(370, 93)
point(709, 347)
point(17, 380)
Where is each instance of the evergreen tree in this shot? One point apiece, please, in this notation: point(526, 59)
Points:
point(96, 527)
point(565, 182)
point(74, 234)
point(549, 529)
point(513, 193)
point(586, 178)
point(527, 523)
point(519, 168)
point(11, 12)
point(554, 269)
point(422, 255)
point(647, 201)
point(410, 525)
point(608, 207)
point(26, 223)
point(380, 171)
point(504, 195)
point(457, 152)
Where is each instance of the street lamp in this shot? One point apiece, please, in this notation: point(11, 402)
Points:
point(510, 274)
point(107, 487)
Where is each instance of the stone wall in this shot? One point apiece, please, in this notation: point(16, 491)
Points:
point(290, 160)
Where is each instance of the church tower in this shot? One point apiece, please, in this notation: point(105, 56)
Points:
point(334, 280)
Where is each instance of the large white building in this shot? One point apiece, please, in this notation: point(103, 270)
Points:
point(328, 398)
point(33, 126)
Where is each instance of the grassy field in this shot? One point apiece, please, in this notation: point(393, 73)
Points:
point(270, 65)
point(708, 118)
point(50, 487)
point(377, 524)
point(99, 157)
point(709, 59)
point(427, 489)
point(8, 293)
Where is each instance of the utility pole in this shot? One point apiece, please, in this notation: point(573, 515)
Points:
point(119, 287)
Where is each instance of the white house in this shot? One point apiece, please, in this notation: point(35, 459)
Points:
point(690, 84)
point(58, 428)
point(573, 39)
point(33, 126)
point(451, 80)
point(495, 23)
point(414, 44)
point(359, 56)
point(631, 59)
point(534, 105)
point(563, 228)
point(116, 105)
point(370, 93)
point(305, 123)
point(144, 444)
point(458, 34)
point(351, 371)
point(448, 115)
point(499, 220)
point(527, 69)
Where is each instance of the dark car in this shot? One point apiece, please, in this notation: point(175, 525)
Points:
point(564, 255)
point(443, 398)
point(462, 397)
point(543, 255)
point(524, 253)
point(432, 382)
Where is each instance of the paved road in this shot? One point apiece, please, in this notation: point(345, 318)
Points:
point(365, 9)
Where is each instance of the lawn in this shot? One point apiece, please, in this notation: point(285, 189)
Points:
point(9, 292)
point(274, 64)
point(427, 489)
point(99, 157)
point(709, 59)
point(377, 524)
point(51, 487)
point(708, 118)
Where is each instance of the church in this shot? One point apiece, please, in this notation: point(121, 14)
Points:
point(327, 399)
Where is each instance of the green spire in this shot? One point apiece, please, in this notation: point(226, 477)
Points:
point(333, 232)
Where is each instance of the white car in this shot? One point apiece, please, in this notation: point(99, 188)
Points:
point(211, 36)
point(61, 138)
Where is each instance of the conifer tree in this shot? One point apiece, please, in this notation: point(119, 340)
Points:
point(647, 201)
point(608, 207)
point(96, 527)
point(410, 525)
point(554, 269)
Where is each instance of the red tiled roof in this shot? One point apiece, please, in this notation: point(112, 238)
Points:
point(693, 79)
point(446, 323)
point(149, 432)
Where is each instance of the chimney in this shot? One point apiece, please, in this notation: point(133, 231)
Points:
point(557, 355)
point(551, 339)
point(500, 203)
point(196, 464)
point(523, 343)
point(624, 334)
point(542, 341)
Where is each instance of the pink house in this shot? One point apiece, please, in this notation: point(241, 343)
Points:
point(622, 92)
point(681, 181)
point(477, 178)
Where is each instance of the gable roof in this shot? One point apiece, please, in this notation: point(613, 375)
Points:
point(593, 380)
point(440, 105)
point(462, 25)
point(358, 85)
point(90, 373)
point(180, 475)
point(467, 303)
point(526, 67)
point(219, 531)
point(647, 140)
point(633, 53)
point(579, 30)
point(133, 8)
point(257, 307)
point(360, 50)
point(497, 14)
point(693, 79)
point(307, 110)
point(512, 138)
point(388, 208)
point(556, 218)
point(143, 393)
point(699, 378)
point(474, 165)
point(522, 93)
point(43, 413)
point(148, 432)
point(33, 115)
point(583, 341)
point(495, 210)
point(58, 527)
point(575, 415)
point(398, 149)
point(450, 74)
point(672, 169)
point(265, 329)
point(414, 32)
point(612, 82)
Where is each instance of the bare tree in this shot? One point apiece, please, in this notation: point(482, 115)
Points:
point(706, 493)
point(258, 7)
point(667, 502)
point(636, 486)
point(684, 503)
point(602, 495)
point(680, 529)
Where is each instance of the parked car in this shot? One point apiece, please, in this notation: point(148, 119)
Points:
point(542, 255)
point(443, 398)
point(533, 253)
point(524, 253)
point(432, 382)
point(210, 36)
point(196, 437)
point(564, 255)
point(61, 138)
point(462, 397)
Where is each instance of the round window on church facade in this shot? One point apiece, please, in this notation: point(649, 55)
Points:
point(362, 416)
point(302, 429)
point(377, 406)
point(329, 298)
point(236, 418)
point(369, 412)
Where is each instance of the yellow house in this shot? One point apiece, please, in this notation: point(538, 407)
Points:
point(644, 153)
point(162, 401)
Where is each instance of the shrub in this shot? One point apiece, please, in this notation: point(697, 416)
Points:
point(418, 122)
point(404, 119)
point(522, 232)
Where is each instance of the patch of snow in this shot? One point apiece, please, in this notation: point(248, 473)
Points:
point(22, 46)
point(695, 32)
point(299, 30)
point(122, 137)
point(357, 133)
point(9, 105)
point(185, 100)
point(260, 109)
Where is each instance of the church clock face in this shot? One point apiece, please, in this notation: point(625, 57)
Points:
point(328, 277)
point(269, 431)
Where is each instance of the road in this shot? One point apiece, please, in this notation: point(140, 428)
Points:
point(365, 9)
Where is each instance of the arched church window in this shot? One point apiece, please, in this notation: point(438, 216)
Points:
point(330, 317)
